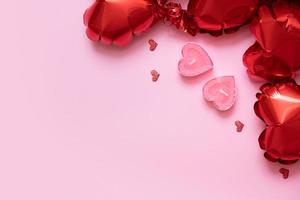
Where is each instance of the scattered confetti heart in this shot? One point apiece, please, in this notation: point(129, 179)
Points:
point(155, 75)
point(152, 44)
point(239, 126)
point(285, 173)
point(221, 91)
point(195, 61)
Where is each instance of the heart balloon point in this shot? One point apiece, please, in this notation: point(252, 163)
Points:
point(221, 91)
point(92, 35)
point(272, 158)
point(195, 61)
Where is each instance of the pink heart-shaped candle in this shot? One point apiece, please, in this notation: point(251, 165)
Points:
point(221, 91)
point(195, 61)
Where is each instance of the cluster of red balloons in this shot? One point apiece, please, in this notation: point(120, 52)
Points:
point(117, 21)
point(275, 56)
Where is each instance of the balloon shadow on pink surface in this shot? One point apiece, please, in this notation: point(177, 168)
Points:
point(275, 167)
point(222, 114)
point(137, 44)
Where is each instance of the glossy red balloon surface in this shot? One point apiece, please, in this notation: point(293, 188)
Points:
point(116, 21)
point(279, 107)
point(275, 55)
point(214, 16)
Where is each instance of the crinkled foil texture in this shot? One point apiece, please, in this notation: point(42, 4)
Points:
point(117, 21)
point(278, 106)
point(275, 54)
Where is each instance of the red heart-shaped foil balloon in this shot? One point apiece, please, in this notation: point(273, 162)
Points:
point(216, 16)
point(116, 21)
point(279, 107)
point(275, 55)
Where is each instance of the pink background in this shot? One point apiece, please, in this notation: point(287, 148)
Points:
point(80, 121)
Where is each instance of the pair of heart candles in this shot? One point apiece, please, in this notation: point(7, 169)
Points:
point(221, 91)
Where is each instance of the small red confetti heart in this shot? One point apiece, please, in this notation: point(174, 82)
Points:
point(155, 75)
point(152, 44)
point(285, 173)
point(239, 126)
